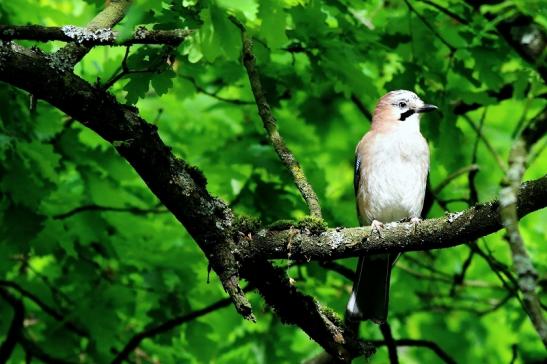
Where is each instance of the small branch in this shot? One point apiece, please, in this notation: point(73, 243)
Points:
point(43, 306)
point(445, 11)
point(421, 343)
point(270, 124)
point(135, 341)
point(390, 343)
point(91, 37)
point(453, 176)
point(361, 107)
point(93, 207)
point(16, 327)
point(111, 15)
point(497, 158)
point(526, 273)
point(433, 30)
point(215, 94)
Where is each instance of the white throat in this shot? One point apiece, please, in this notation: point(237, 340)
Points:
point(410, 125)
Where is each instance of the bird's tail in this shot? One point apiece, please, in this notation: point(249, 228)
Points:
point(370, 297)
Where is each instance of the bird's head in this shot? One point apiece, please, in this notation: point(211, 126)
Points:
point(400, 109)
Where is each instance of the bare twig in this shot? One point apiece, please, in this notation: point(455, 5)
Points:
point(452, 176)
point(134, 342)
point(361, 107)
point(443, 355)
point(43, 306)
point(270, 124)
point(446, 11)
point(428, 25)
point(93, 207)
point(390, 343)
point(497, 157)
point(215, 94)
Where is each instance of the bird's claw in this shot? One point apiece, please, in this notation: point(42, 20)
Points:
point(377, 226)
point(415, 221)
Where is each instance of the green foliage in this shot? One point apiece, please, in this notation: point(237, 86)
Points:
point(83, 234)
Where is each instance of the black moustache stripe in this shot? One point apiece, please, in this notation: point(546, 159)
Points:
point(406, 114)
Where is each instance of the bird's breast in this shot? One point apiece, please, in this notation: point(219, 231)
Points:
point(394, 177)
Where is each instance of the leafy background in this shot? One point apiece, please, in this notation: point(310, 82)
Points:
point(81, 232)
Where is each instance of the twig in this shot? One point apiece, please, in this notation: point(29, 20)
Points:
point(443, 355)
point(497, 158)
point(270, 124)
point(433, 30)
point(390, 343)
point(160, 61)
point(215, 94)
point(93, 207)
point(45, 308)
point(452, 176)
point(445, 11)
point(361, 107)
point(134, 342)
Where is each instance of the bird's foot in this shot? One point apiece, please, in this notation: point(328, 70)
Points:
point(415, 221)
point(377, 226)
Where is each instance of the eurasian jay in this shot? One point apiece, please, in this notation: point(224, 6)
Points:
point(391, 166)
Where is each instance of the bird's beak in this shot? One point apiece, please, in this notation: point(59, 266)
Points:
point(427, 108)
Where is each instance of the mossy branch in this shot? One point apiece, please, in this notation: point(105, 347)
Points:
point(270, 124)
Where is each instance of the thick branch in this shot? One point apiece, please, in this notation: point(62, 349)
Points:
point(270, 124)
point(180, 187)
point(451, 230)
point(296, 308)
point(91, 37)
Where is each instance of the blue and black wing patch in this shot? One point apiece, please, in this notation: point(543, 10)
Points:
point(357, 173)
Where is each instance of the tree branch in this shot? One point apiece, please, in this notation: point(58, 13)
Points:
point(91, 37)
point(451, 230)
point(179, 186)
point(270, 124)
point(526, 274)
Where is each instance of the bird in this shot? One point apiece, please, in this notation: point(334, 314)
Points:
point(391, 168)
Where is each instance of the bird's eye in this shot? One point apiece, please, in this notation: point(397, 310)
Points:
point(402, 105)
